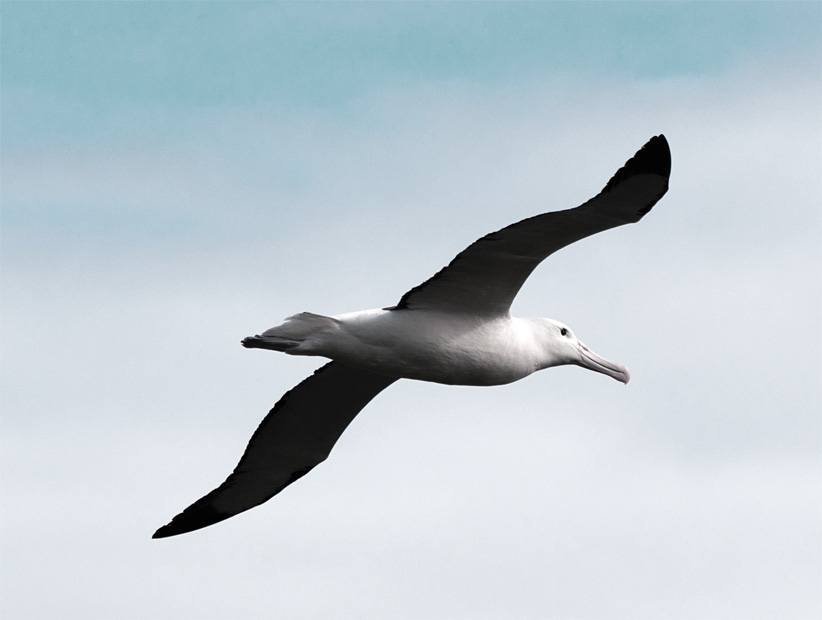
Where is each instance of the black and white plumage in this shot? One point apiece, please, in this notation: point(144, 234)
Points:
point(455, 328)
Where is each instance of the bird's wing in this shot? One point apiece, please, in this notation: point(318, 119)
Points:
point(296, 435)
point(484, 278)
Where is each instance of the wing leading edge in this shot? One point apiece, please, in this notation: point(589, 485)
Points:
point(484, 278)
point(296, 435)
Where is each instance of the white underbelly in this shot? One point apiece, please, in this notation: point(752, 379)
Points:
point(427, 347)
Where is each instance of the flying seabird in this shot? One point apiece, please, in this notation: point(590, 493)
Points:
point(455, 328)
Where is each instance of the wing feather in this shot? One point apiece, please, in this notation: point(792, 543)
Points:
point(296, 435)
point(484, 278)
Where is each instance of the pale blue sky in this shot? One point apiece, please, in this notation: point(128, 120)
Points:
point(66, 64)
point(176, 176)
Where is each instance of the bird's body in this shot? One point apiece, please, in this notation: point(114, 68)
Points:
point(455, 328)
point(436, 346)
point(427, 346)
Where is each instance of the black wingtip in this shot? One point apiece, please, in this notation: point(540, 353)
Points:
point(162, 533)
point(197, 516)
point(653, 158)
point(178, 526)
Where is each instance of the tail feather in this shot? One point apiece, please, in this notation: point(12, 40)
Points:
point(292, 333)
point(273, 343)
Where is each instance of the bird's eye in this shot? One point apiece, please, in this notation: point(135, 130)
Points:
point(563, 331)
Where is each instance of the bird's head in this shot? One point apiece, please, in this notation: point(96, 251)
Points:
point(561, 346)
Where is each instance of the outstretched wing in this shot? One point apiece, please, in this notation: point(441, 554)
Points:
point(485, 277)
point(296, 435)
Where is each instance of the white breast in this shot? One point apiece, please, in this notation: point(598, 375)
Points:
point(432, 346)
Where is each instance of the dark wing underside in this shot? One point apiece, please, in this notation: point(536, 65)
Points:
point(296, 435)
point(485, 277)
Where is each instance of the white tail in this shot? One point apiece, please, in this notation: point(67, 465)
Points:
point(300, 326)
point(292, 333)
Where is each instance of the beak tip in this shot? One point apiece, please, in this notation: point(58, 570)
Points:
point(590, 360)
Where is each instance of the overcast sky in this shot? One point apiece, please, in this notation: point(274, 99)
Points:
point(177, 176)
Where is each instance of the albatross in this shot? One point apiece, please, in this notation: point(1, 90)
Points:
point(454, 328)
